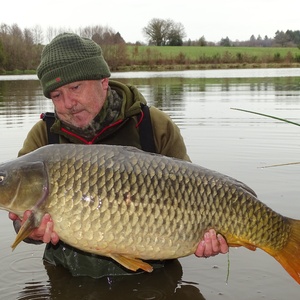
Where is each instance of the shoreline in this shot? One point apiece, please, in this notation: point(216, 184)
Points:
point(180, 67)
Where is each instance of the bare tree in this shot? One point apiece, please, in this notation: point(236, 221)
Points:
point(37, 34)
point(51, 32)
point(164, 32)
point(156, 31)
point(13, 45)
point(176, 34)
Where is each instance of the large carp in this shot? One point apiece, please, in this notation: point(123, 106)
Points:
point(130, 205)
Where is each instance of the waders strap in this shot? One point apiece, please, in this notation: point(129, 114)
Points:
point(49, 118)
point(146, 132)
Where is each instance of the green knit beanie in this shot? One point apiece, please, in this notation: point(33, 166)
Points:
point(68, 58)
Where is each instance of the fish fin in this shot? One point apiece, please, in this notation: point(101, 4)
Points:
point(289, 256)
point(246, 245)
point(25, 230)
point(131, 263)
point(233, 241)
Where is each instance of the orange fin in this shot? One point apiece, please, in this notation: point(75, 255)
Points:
point(234, 241)
point(131, 263)
point(289, 256)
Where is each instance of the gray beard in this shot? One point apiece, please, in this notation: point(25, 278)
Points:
point(107, 115)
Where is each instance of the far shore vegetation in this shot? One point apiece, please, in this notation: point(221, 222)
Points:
point(197, 57)
point(154, 58)
point(20, 50)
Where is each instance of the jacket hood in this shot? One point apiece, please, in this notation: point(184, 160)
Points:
point(131, 96)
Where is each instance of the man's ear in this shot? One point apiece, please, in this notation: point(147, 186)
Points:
point(104, 82)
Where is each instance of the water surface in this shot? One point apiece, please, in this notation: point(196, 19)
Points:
point(217, 137)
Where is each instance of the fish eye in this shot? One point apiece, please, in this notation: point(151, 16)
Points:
point(2, 177)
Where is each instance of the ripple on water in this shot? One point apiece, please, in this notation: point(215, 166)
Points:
point(148, 294)
point(22, 274)
point(252, 275)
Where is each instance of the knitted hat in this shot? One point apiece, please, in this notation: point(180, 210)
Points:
point(68, 58)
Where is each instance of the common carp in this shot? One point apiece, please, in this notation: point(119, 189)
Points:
point(132, 206)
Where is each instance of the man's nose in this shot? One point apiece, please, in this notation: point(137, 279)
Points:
point(69, 101)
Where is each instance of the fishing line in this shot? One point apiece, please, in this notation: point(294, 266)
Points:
point(228, 267)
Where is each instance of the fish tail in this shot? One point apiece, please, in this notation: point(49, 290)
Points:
point(289, 256)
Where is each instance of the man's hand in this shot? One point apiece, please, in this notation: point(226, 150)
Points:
point(211, 245)
point(43, 233)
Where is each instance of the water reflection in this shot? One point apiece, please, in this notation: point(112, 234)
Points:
point(22, 101)
point(223, 73)
point(217, 137)
point(164, 283)
point(19, 100)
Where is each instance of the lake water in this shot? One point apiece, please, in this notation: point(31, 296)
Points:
point(232, 142)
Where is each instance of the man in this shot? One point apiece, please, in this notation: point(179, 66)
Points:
point(90, 109)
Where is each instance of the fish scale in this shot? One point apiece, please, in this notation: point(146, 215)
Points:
point(130, 205)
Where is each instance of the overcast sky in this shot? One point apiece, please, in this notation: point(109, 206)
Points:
point(213, 19)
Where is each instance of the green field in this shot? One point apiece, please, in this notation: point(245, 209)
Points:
point(193, 57)
point(193, 52)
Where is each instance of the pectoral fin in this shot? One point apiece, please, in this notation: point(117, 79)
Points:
point(25, 230)
point(131, 263)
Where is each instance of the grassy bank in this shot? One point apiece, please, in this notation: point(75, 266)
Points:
point(166, 58)
point(194, 52)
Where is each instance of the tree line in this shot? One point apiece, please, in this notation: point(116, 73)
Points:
point(21, 49)
point(161, 32)
point(281, 39)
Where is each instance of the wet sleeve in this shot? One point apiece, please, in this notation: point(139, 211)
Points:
point(167, 136)
point(36, 138)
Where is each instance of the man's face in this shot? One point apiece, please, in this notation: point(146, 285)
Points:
point(79, 102)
